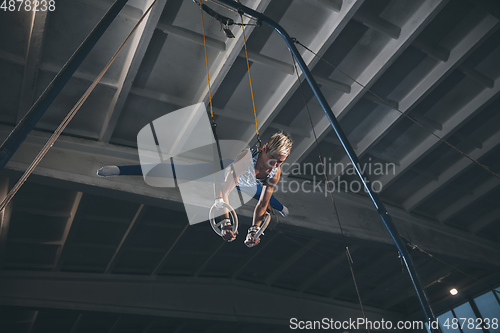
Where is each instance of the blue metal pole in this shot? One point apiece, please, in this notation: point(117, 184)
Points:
point(384, 215)
point(19, 133)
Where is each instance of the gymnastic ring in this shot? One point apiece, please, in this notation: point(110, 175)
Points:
point(219, 203)
point(263, 225)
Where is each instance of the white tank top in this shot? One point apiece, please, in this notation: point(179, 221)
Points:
point(248, 179)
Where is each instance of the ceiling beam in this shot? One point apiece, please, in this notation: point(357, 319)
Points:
point(192, 36)
point(451, 173)
point(435, 51)
point(325, 269)
point(67, 227)
point(43, 212)
point(138, 46)
point(225, 113)
point(74, 328)
point(186, 298)
point(4, 219)
point(139, 214)
point(180, 327)
point(466, 286)
point(461, 116)
point(466, 139)
point(80, 74)
point(477, 76)
point(127, 10)
point(468, 44)
point(72, 164)
point(112, 329)
point(394, 278)
point(251, 255)
point(148, 327)
point(479, 191)
point(377, 23)
point(163, 260)
point(339, 288)
point(322, 41)
point(77, 211)
point(428, 123)
point(336, 5)
point(410, 291)
point(12, 58)
point(378, 65)
point(337, 85)
point(32, 65)
point(161, 97)
point(484, 221)
point(213, 250)
point(369, 96)
point(32, 322)
point(268, 61)
point(292, 259)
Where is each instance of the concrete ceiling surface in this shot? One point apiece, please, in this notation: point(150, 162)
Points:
point(406, 79)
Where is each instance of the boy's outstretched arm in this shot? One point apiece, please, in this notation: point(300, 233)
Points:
point(261, 208)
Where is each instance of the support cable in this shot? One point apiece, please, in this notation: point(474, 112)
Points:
point(68, 118)
point(383, 101)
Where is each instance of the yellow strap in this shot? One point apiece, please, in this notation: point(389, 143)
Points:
point(206, 62)
point(250, 78)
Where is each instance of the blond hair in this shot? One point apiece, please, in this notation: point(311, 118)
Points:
point(280, 143)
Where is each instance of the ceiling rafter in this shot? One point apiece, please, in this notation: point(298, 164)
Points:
point(32, 65)
point(79, 205)
point(134, 294)
point(214, 249)
point(4, 219)
point(76, 161)
point(326, 268)
point(191, 36)
point(163, 260)
point(410, 291)
point(477, 76)
point(324, 38)
point(367, 295)
point(477, 193)
point(468, 140)
point(220, 66)
point(472, 108)
point(484, 221)
point(420, 18)
point(76, 324)
point(290, 261)
point(378, 23)
point(113, 327)
point(33, 321)
point(148, 327)
point(437, 52)
point(449, 174)
point(252, 255)
point(127, 10)
point(72, 213)
point(135, 55)
point(139, 215)
point(466, 284)
point(339, 288)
